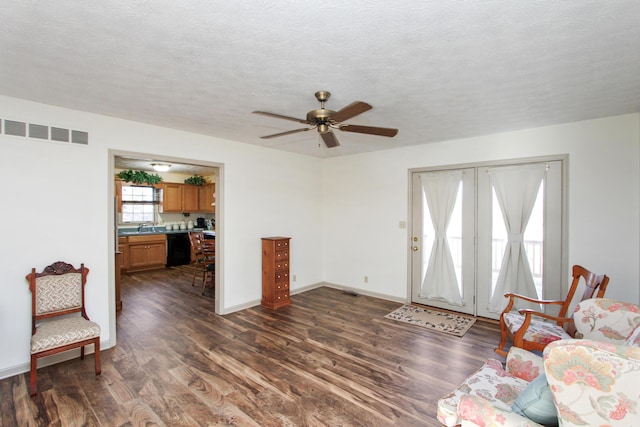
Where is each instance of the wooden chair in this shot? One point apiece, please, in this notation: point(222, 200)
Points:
point(203, 254)
point(533, 330)
point(57, 293)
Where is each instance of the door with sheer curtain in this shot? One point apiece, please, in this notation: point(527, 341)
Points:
point(443, 239)
point(479, 232)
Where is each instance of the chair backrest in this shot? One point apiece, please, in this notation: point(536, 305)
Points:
point(205, 249)
point(195, 240)
point(606, 320)
point(591, 282)
point(593, 382)
point(57, 291)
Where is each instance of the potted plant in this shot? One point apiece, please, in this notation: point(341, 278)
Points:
point(195, 180)
point(139, 177)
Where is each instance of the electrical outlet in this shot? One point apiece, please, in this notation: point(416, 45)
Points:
point(294, 277)
point(366, 279)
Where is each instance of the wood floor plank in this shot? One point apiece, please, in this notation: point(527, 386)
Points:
point(329, 359)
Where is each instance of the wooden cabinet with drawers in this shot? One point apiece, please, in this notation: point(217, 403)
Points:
point(275, 272)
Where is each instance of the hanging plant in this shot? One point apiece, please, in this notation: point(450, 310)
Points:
point(195, 180)
point(140, 177)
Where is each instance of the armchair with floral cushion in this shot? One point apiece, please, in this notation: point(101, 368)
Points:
point(591, 381)
point(594, 383)
point(492, 390)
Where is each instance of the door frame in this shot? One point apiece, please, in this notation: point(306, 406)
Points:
point(564, 250)
point(219, 276)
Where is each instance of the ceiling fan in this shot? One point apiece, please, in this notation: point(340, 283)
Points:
point(324, 120)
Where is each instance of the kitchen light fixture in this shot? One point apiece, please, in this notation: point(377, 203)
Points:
point(160, 167)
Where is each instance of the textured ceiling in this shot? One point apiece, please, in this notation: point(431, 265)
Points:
point(436, 70)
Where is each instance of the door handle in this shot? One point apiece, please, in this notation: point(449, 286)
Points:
point(415, 248)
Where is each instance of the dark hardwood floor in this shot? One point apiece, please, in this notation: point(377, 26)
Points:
point(330, 359)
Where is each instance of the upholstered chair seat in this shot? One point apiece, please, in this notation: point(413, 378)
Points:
point(539, 331)
point(58, 333)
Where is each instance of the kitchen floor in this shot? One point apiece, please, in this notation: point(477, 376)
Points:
point(180, 276)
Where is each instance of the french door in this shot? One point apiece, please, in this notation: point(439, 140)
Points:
point(480, 231)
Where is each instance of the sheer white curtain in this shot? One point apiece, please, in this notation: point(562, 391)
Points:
point(440, 281)
point(516, 189)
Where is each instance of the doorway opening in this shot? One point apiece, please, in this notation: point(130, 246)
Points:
point(165, 214)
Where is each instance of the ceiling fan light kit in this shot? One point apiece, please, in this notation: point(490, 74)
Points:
point(324, 120)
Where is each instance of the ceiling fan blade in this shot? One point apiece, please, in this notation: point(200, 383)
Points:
point(351, 110)
point(289, 132)
point(280, 116)
point(372, 130)
point(330, 139)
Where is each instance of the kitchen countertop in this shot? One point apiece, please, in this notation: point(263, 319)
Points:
point(123, 232)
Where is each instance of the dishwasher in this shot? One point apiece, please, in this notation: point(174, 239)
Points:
point(178, 249)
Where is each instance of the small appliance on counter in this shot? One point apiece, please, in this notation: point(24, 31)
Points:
point(201, 223)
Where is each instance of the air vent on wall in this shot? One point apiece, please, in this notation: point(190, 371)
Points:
point(16, 128)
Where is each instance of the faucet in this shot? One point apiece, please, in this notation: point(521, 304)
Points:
point(141, 226)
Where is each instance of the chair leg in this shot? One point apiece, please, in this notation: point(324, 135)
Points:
point(33, 380)
point(97, 356)
point(204, 280)
point(195, 271)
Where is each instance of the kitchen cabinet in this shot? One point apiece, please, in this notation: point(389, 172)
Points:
point(123, 248)
point(275, 272)
point(206, 198)
point(147, 252)
point(190, 198)
point(179, 198)
point(171, 197)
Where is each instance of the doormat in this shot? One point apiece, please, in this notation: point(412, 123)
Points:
point(439, 321)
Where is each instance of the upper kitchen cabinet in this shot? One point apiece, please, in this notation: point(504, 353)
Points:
point(178, 198)
point(190, 198)
point(171, 197)
point(207, 198)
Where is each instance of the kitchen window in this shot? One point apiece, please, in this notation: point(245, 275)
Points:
point(139, 203)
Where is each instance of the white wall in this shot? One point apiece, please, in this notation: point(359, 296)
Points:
point(366, 196)
point(56, 206)
point(342, 213)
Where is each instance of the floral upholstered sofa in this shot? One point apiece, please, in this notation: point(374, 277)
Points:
point(578, 382)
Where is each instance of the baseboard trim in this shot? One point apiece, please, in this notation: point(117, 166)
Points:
point(365, 292)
